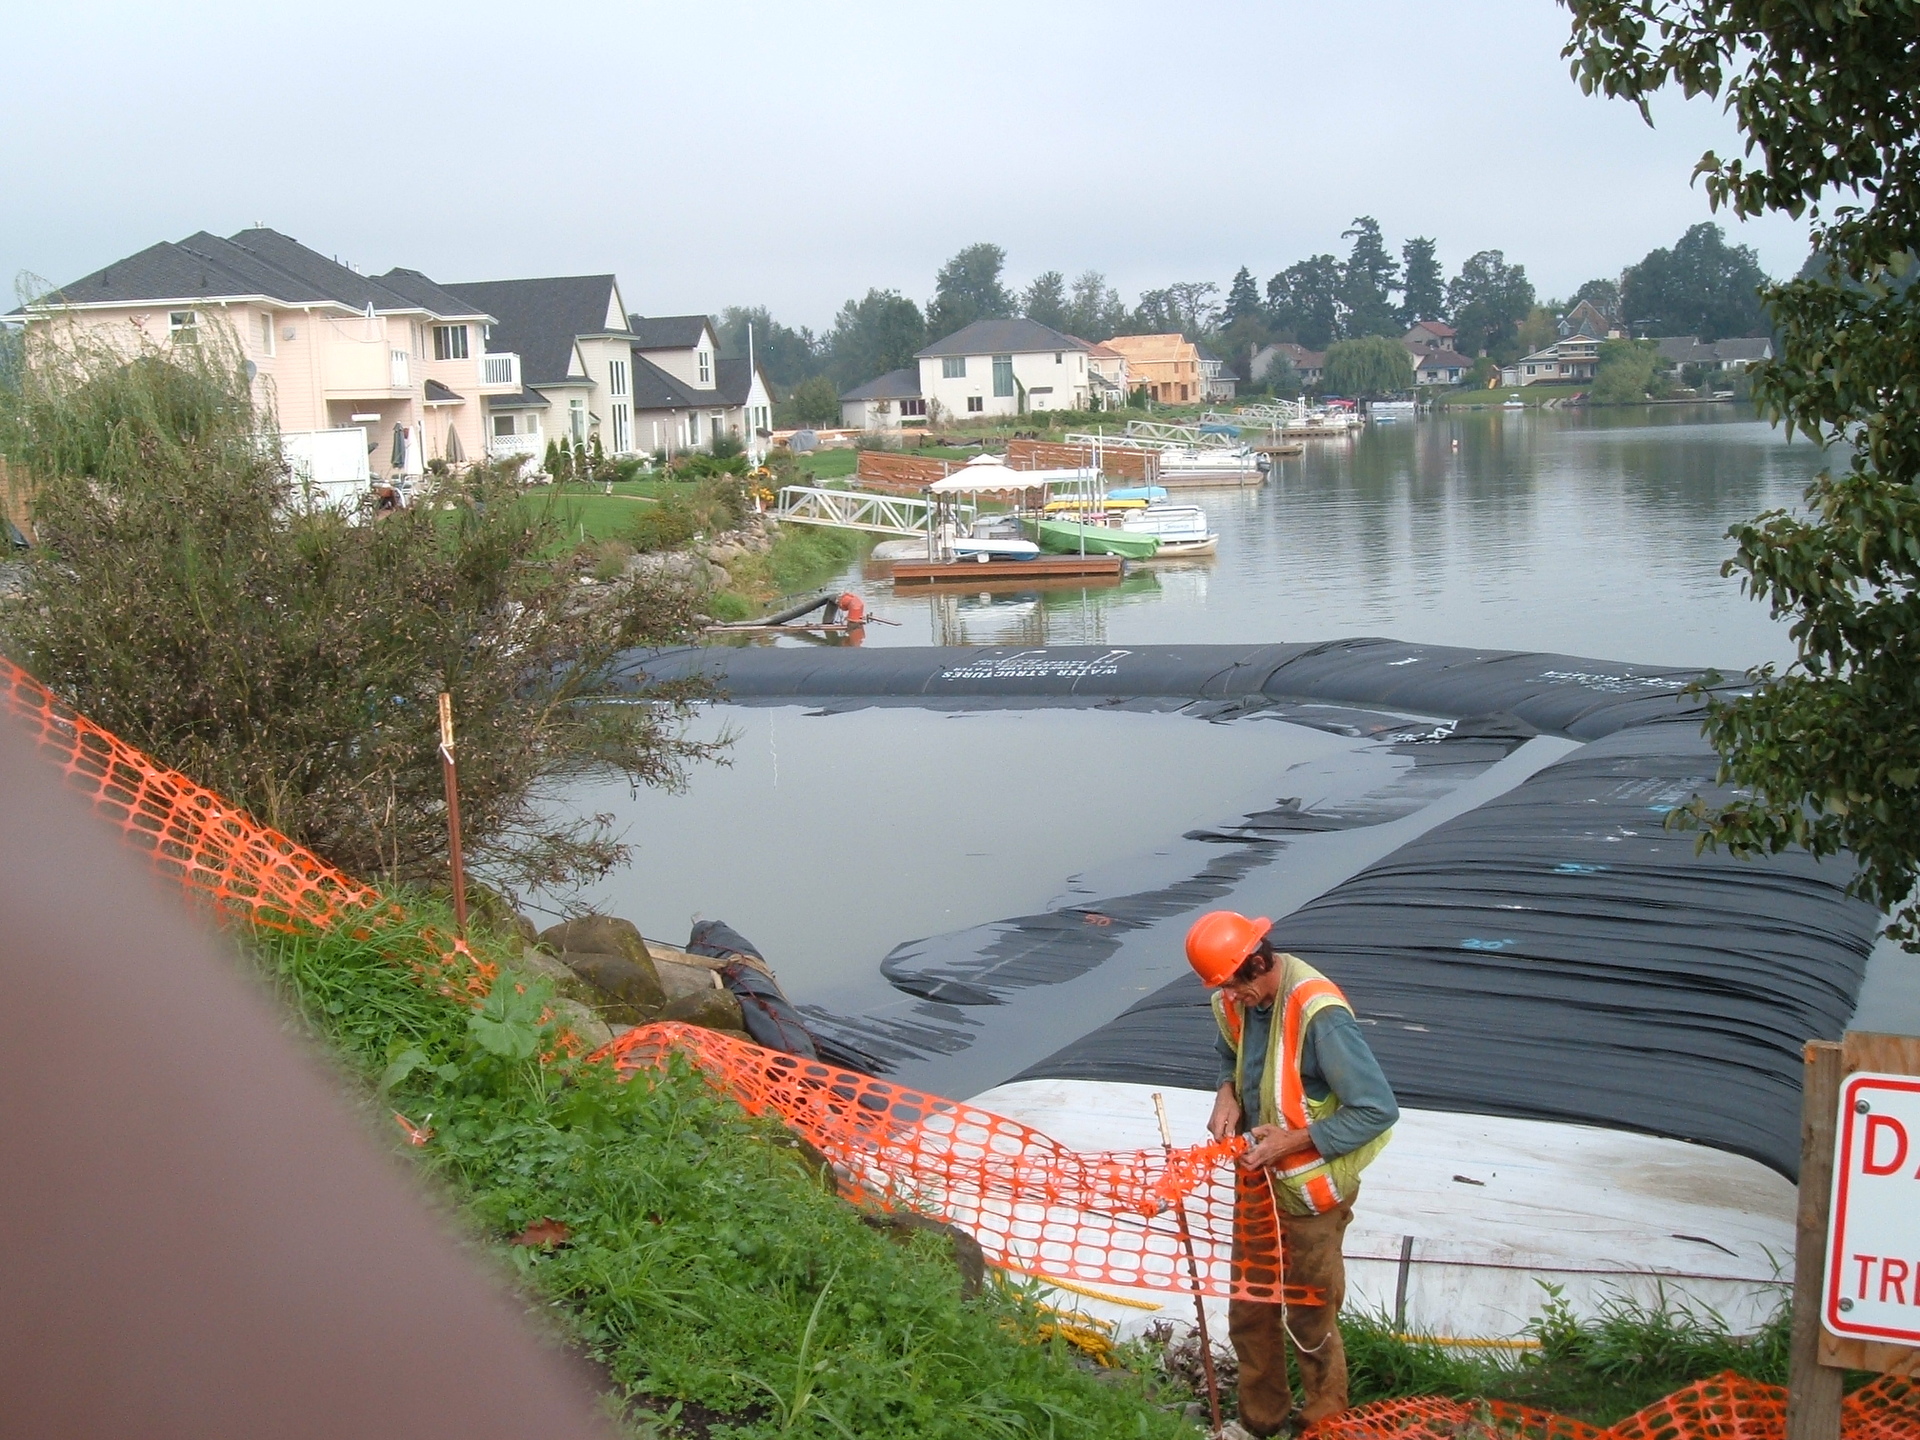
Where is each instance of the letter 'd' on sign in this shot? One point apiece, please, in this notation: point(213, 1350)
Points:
point(1872, 1289)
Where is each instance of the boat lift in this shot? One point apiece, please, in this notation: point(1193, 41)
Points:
point(902, 515)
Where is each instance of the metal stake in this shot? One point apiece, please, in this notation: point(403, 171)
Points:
point(452, 774)
point(1193, 1270)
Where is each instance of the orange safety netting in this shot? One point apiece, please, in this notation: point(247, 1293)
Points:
point(215, 850)
point(1105, 1218)
point(1034, 1205)
point(1725, 1407)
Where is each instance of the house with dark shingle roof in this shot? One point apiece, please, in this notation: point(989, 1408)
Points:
point(365, 375)
point(639, 384)
point(884, 402)
point(1004, 367)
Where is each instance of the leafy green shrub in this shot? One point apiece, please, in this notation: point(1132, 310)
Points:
point(726, 446)
point(664, 526)
point(727, 606)
point(1625, 372)
point(290, 656)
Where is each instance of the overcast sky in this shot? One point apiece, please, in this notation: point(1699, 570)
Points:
point(793, 155)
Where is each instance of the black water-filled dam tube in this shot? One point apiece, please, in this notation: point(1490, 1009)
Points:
point(1558, 694)
point(1557, 953)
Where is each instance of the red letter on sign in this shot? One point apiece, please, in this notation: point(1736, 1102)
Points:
point(1899, 1137)
point(1866, 1264)
point(1893, 1273)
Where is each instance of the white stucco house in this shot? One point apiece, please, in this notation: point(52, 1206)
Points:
point(1004, 367)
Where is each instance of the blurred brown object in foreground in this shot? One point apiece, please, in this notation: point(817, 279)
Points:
point(201, 1239)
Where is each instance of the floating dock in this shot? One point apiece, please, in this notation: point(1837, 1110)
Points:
point(972, 572)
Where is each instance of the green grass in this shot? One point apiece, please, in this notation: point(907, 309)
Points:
point(1598, 1370)
point(707, 1265)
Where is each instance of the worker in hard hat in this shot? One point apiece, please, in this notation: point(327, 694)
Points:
point(1297, 1077)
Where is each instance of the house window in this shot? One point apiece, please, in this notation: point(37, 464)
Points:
point(617, 377)
point(183, 326)
point(621, 437)
point(1003, 375)
point(577, 421)
point(503, 425)
point(1059, 358)
point(450, 342)
point(266, 334)
point(706, 368)
point(913, 407)
point(693, 429)
point(975, 404)
point(953, 367)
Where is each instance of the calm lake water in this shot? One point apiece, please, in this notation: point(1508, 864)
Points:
point(831, 839)
point(1595, 533)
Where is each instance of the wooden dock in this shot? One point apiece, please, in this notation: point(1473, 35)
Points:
point(974, 572)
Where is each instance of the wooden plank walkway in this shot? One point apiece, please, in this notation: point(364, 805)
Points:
point(973, 572)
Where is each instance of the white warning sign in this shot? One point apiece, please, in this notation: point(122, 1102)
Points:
point(1873, 1235)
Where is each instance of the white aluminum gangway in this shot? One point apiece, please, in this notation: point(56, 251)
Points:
point(857, 510)
point(1186, 437)
point(1270, 413)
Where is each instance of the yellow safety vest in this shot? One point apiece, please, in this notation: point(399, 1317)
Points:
point(1308, 1182)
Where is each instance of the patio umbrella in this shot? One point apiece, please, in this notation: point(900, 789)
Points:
point(455, 454)
point(399, 457)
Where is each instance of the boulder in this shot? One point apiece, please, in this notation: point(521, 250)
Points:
point(631, 987)
point(709, 1009)
point(597, 935)
point(680, 979)
point(589, 1027)
point(901, 1225)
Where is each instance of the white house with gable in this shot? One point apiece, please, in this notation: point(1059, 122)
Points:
point(1004, 367)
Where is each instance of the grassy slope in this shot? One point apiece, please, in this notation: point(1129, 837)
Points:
point(707, 1264)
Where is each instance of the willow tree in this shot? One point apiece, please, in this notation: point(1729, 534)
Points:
point(1827, 97)
point(290, 656)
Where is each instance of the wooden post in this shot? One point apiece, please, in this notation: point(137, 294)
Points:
point(452, 774)
point(1814, 1391)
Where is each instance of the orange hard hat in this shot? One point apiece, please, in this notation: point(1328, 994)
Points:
point(1219, 941)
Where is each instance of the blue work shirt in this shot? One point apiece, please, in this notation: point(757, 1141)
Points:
point(1334, 1060)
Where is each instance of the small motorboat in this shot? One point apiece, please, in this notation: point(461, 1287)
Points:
point(987, 547)
point(1181, 530)
point(1213, 467)
point(1069, 537)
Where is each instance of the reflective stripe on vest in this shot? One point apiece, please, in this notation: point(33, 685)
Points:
point(1308, 1177)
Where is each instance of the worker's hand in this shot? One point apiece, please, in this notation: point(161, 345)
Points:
point(1225, 1119)
point(1272, 1144)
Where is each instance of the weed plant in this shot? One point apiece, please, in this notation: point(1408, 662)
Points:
point(706, 1266)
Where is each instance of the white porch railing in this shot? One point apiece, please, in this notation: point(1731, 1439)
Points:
point(500, 369)
point(503, 447)
point(398, 366)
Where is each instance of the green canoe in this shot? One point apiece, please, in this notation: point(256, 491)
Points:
point(1066, 537)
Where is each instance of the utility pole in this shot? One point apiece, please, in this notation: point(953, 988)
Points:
point(450, 770)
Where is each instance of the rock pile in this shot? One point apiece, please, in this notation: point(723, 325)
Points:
point(607, 979)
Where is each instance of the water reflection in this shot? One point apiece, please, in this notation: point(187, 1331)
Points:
point(1593, 532)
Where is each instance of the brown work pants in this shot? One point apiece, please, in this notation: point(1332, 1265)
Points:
point(1311, 1245)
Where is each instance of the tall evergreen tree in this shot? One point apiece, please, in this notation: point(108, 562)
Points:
point(1095, 310)
point(1045, 299)
point(1243, 298)
point(1702, 286)
point(968, 288)
point(1424, 288)
point(1368, 280)
point(1303, 301)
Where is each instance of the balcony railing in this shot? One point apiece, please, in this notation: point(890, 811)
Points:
point(399, 369)
point(505, 447)
point(501, 369)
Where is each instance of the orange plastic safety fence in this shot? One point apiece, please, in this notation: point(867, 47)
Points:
point(1108, 1218)
point(1437, 1418)
point(1035, 1206)
point(216, 851)
point(1888, 1409)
